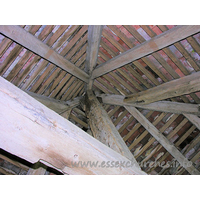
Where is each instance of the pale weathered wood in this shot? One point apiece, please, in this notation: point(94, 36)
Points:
point(103, 129)
point(35, 133)
point(27, 40)
point(163, 40)
point(174, 88)
point(162, 106)
point(94, 38)
point(163, 140)
point(58, 106)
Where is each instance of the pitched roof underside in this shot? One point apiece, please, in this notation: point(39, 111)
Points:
point(31, 72)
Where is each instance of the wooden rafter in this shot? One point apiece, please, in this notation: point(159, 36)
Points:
point(56, 105)
point(162, 106)
point(163, 140)
point(163, 40)
point(174, 88)
point(33, 132)
point(94, 38)
point(27, 40)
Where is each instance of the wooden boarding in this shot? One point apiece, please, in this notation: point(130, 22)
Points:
point(39, 134)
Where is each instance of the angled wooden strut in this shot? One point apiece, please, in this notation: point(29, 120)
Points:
point(61, 107)
point(35, 133)
point(163, 140)
point(163, 40)
point(94, 38)
point(162, 106)
point(27, 40)
point(103, 129)
point(174, 88)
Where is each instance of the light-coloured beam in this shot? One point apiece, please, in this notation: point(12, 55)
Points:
point(103, 128)
point(162, 106)
point(94, 38)
point(56, 105)
point(29, 41)
point(174, 88)
point(35, 133)
point(163, 140)
point(163, 40)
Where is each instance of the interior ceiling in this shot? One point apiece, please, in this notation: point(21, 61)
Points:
point(29, 71)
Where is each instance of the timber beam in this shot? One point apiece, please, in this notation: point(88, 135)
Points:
point(29, 41)
point(94, 38)
point(159, 42)
point(174, 88)
point(35, 133)
point(56, 105)
point(162, 106)
point(169, 146)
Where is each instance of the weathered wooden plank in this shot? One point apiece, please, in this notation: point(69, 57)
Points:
point(163, 140)
point(56, 105)
point(30, 42)
point(162, 106)
point(163, 40)
point(94, 38)
point(35, 133)
point(174, 88)
point(103, 129)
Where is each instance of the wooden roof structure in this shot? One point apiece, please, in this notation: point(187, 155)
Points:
point(135, 88)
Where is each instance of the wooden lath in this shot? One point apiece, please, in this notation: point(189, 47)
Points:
point(144, 49)
point(29, 71)
point(30, 42)
point(150, 80)
point(148, 150)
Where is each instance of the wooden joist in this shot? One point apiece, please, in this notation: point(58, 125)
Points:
point(163, 140)
point(103, 129)
point(163, 40)
point(162, 106)
point(27, 40)
point(174, 88)
point(35, 133)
